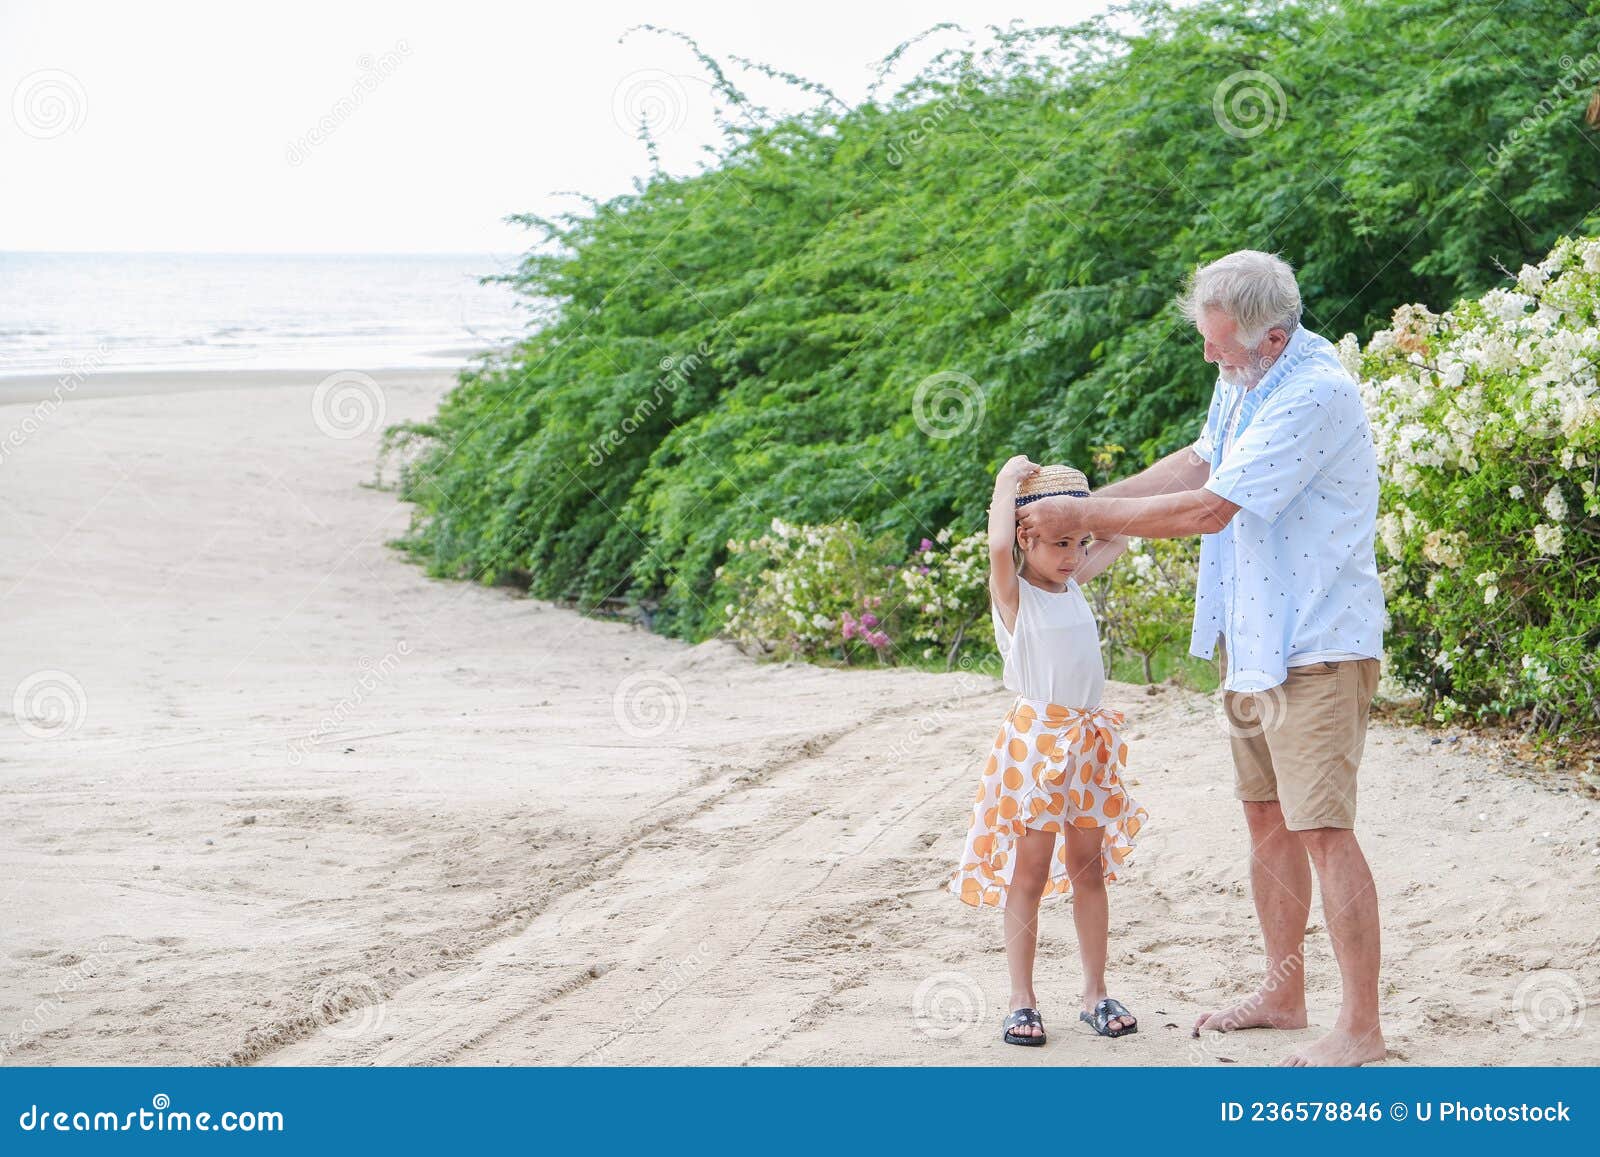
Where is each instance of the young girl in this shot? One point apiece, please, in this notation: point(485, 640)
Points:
point(1051, 816)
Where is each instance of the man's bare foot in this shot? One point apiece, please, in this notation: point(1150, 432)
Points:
point(1339, 1047)
point(1255, 1011)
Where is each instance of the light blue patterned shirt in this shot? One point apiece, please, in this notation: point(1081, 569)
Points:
point(1294, 573)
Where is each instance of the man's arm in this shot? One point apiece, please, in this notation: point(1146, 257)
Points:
point(1198, 511)
point(1181, 470)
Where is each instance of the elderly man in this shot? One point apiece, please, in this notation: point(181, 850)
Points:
point(1283, 485)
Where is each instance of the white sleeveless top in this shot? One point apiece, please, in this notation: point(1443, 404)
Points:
point(1054, 654)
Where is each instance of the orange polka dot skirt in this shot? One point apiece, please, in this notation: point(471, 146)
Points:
point(1051, 766)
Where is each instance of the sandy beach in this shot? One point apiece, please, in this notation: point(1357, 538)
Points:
point(273, 796)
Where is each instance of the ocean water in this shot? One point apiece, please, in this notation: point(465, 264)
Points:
point(150, 311)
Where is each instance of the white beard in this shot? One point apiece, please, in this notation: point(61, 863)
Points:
point(1247, 378)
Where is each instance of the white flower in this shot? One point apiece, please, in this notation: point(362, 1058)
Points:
point(1517, 492)
point(1555, 505)
point(1490, 593)
point(1531, 279)
point(1487, 577)
point(1506, 306)
point(1444, 547)
point(1548, 540)
point(1349, 349)
point(1389, 532)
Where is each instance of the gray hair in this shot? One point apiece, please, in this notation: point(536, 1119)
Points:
point(1256, 289)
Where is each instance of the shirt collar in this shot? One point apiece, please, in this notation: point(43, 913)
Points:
point(1299, 345)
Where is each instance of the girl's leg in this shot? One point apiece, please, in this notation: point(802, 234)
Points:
point(1089, 913)
point(1033, 852)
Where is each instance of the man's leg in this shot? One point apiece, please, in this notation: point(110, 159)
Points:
point(1280, 880)
point(1350, 909)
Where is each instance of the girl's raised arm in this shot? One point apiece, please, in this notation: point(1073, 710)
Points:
point(1102, 553)
point(1002, 534)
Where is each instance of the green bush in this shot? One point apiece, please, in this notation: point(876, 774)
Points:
point(859, 313)
point(1487, 425)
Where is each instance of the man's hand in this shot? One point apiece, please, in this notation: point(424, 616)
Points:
point(1159, 516)
point(1052, 519)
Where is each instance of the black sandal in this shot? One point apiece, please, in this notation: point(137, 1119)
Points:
point(1019, 1018)
point(1105, 1012)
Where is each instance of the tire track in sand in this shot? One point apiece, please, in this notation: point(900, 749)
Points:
point(735, 894)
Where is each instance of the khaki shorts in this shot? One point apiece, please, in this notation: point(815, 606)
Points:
point(1300, 742)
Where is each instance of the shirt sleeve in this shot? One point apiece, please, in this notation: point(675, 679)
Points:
point(1295, 436)
point(1206, 443)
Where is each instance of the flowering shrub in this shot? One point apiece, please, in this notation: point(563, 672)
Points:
point(1487, 426)
point(1146, 599)
point(809, 592)
point(946, 593)
point(828, 592)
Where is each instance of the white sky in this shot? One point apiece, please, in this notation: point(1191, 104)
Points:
point(176, 121)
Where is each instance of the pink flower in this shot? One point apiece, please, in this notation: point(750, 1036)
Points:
point(927, 544)
point(850, 626)
point(869, 620)
point(878, 639)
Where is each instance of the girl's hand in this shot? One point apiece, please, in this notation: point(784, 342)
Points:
point(1016, 469)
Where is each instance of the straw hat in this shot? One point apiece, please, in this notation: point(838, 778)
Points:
point(1051, 480)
